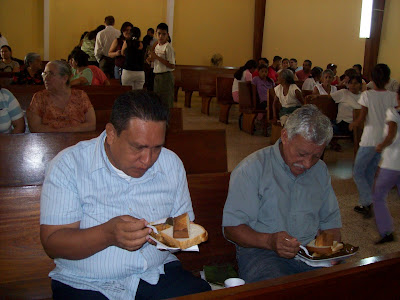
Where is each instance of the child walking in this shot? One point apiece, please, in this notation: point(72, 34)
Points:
point(389, 174)
point(164, 63)
point(374, 104)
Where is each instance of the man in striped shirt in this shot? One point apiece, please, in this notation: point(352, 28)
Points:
point(97, 198)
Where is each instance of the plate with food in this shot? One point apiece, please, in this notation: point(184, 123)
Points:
point(324, 251)
point(181, 235)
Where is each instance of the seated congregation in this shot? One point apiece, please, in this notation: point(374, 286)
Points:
point(99, 196)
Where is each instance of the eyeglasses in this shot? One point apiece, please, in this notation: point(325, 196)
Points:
point(45, 74)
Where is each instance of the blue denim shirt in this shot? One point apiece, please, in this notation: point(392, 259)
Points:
point(266, 196)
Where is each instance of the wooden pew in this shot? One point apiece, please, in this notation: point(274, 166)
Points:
point(6, 79)
point(208, 88)
point(370, 278)
point(24, 266)
point(329, 108)
point(248, 101)
point(224, 96)
point(25, 156)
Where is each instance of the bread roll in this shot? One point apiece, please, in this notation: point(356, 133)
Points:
point(324, 239)
point(197, 235)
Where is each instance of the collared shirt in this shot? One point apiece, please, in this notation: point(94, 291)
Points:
point(104, 40)
point(81, 185)
point(10, 111)
point(266, 196)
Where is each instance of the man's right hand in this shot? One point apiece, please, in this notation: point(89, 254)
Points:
point(127, 232)
point(284, 245)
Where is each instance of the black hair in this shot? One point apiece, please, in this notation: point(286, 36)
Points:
point(147, 40)
point(83, 34)
point(139, 104)
point(265, 60)
point(151, 30)
point(295, 60)
point(262, 66)
point(358, 66)
point(162, 26)
point(285, 59)
point(331, 67)
point(308, 61)
point(6, 46)
point(134, 41)
point(109, 20)
point(380, 75)
point(276, 58)
point(316, 71)
point(250, 64)
point(350, 72)
point(123, 27)
point(80, 57)
point(92, 35)
point(355, 77)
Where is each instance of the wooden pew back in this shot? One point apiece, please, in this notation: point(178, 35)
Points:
point(25, 156)
point(224, 96)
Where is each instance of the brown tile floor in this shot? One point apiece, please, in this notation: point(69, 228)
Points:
point(356, 230)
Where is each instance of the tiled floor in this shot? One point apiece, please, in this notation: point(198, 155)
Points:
point(355, 230)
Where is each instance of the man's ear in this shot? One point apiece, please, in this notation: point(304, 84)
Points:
point(111, 133)
point(284, 136)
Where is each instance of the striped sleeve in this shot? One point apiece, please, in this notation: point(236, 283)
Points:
point(14, 109)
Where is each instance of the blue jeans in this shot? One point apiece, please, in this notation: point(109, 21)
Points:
point(117, 72)
point(259, 264)
point(365, 167)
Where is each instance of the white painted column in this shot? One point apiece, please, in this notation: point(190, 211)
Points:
point(46, 29)
point(170, 17)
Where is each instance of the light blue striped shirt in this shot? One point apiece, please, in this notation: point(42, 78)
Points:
point(81, 185)
point(10, 110)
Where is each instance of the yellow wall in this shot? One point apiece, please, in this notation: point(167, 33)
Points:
point(322, 31)
point(70, 18)
point(21, 22)
point(390, 39)
point(203, 28)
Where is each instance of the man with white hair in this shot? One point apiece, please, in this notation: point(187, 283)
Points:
point(280, 197)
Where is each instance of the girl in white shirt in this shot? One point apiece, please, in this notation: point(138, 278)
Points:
point(311, 82)
point(243, 74)
point(287, 95)
point(326, 87)
point(374, 104)
point(389, 173)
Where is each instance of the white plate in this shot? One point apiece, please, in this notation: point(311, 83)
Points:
point(324, 262)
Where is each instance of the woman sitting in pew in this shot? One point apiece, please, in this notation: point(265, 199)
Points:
point(11, 114)
point(243, 74)
point(310, 83)
point(81, 73)
point(325, 87)
point(288, 95)
point(6, 62)
point(32, 73)
point(59, 108)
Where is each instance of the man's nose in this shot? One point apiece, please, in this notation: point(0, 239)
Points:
point(146, 157)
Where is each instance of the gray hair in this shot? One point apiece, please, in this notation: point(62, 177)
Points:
point(311, 124)
point(328, 71)
point(30, 58)
point(287, 75)
point(63, 69)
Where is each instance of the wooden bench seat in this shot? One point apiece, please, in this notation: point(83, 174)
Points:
point(25, 156)
point(24, 266)
point(224, 97)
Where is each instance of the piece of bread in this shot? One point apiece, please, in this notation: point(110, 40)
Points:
point(324, 250)
point(181, 226)
point(324, 239)
point(197, 235)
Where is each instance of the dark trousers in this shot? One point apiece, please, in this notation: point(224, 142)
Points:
point(174, 283)
point(106, 64)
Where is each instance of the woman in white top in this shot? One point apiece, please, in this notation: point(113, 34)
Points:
point(311, 82)
point(325, 87)
point(288, 95)
point(389, 173)
point(243, 74)
point(374, 106)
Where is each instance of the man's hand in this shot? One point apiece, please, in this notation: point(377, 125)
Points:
point(351, 126)
point(284, 245)
point(152, 56)
point(127, 232)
